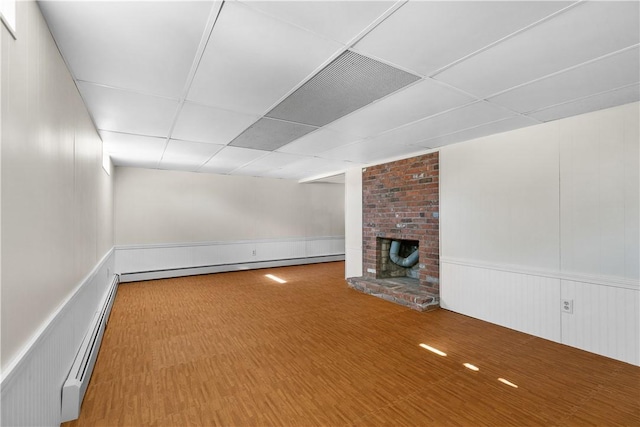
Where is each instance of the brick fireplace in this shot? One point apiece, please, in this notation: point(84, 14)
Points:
point(400, 201)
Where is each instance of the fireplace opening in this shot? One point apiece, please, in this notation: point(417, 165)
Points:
point(398, 258)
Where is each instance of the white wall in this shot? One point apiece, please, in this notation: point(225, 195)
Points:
point(545, 213)
point(168, 221)
point(353, 222)
point(56, 203)
point(158, 207)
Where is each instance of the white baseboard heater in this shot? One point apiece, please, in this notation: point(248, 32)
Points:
point(76, 384)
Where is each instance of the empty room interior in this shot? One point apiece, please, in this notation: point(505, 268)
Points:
point(320, 213)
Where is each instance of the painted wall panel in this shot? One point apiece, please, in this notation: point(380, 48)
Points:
point(353, 222)
point(631, 193)
point(555, 204)
point(499, 199)
point(52, 233)
point(599, 187)
point(50, 182)
point(160, 207)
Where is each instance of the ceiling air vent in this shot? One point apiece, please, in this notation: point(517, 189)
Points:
point(348, 83)
point(267, 134)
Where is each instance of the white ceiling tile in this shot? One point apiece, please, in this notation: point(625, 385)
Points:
point(582, 33)
point(593, 103)
point(179, 166)
point(338, 20)
point(124, 111)
point(187, 154)
point(316, 142)
point(212, 125)
point(285, 174)
point(267, 163)
point(479, 131)
point(425, 36)
point(230, 158)
point(609, 73)
point(370, 150)
point(335, 179)
point(420, 100)
point(253, 60)
point(133, 150)
point(309, 167)
point(443, 124)
point(143, 46)
point(259, 53)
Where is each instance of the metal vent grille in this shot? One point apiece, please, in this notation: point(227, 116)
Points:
point(348, 83)
point(267, 134)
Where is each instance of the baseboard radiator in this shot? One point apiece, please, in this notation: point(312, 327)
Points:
point(76, 384)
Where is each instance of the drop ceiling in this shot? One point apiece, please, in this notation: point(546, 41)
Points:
point(297, 90)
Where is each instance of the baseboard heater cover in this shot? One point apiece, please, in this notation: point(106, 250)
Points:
point(76, 384)
point(135, 276)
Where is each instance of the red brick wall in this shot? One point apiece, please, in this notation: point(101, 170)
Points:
point(400, 201)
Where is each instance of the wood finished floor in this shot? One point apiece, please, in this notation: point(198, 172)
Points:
point(240, 349)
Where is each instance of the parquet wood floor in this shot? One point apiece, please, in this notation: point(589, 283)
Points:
point(238, 349)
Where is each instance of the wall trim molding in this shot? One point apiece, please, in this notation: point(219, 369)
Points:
point(16, 364)
point(611, 281)
point(224, 242)
point(194, 271)
point(156, 261)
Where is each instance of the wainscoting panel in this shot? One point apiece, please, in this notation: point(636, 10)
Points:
point(32, 384)
point(324, 246)
point(605, 320)
point(269, 250)
point(157, 258)
point(605, 317)
point(519, 301)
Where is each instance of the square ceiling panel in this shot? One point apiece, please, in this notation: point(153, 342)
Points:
point(592, 103)
point(187, 155)
point(369, 151)
point(418, 101)
point(133, 150)
point(267, 163)
point(442, 124)
point(144, 46)
point(337, 20)
point(479, 131)
point(424, 36)
point(268, 134)
point(129, 112)
point(253, 60)
point(310, 167)
point(317, 142)
point(230, 158)
point(348, 83)
point(608, 73)
point(582, 33)
point(208, 124)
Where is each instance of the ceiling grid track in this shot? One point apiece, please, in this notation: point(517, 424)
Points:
point(297, 113)
point(564, 70)
point(216, 8)
point(593, 95)
point(347, 84)
point(507, 37)
point(284, 89)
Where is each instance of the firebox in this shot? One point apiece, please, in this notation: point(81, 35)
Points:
point(397, 258)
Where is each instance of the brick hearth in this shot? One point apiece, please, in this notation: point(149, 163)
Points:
point(400, 290)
